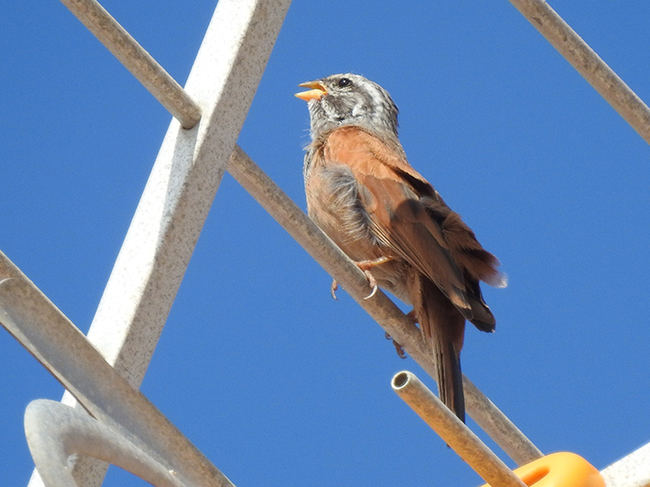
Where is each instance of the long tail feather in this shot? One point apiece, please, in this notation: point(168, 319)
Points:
point(443, 327)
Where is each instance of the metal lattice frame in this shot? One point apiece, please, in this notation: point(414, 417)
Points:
point(104, 370)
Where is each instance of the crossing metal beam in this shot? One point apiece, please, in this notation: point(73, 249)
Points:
point(585, 60)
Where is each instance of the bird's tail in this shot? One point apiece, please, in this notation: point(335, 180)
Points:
point(443, 328)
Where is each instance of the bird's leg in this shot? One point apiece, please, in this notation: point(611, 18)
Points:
point(365, 266)
point(369, 264)
point(398, 348)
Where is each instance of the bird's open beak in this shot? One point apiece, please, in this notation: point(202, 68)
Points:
point(316, 92)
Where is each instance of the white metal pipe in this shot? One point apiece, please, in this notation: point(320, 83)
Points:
point(452, 430)
point(180, 190)
point(632, 470)
point(55, 431)
point(585, 60)
point(137, 60)
point(57, 344)
point(380, 307)
point(498, 426)
point(182, 184)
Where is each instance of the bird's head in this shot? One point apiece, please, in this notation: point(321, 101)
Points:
point(349, 99)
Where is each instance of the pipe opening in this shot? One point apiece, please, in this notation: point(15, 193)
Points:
point(400, 379)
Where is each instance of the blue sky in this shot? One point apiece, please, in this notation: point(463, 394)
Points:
point(275, 382)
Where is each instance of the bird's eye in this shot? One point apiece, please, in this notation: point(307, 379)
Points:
point(343, 82)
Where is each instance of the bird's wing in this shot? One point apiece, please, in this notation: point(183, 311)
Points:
point(391, 192)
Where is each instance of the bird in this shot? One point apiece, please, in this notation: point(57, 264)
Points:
point(363, 193)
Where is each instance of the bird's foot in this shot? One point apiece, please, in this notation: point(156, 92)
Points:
point(333, 288)
point(366, 265)
point(398, 348)
point(372, 282)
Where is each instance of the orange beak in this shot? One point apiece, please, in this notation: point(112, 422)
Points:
point(316, 93)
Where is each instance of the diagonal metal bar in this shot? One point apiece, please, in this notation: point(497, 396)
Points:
point(179, 192)
point(183, 183)
point(55, 431)
point(585, 60)
point(57, 344)
point(452, 430)
point(380, 307)
point(138, 61)
point(632, 470)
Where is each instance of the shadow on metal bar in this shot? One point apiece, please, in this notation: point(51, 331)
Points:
point(55, 431)
point(55, 342)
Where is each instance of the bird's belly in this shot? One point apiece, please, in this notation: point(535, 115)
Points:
point(351, 240)
point(333, 203)
point(390, 275)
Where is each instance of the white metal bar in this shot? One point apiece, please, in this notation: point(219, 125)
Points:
point(632, 470)
point(498, 426)
point(583, 58)
point(138, 61)
point(179, 192)
point(452, 430)
point(182, 184)
point(380, 307)
point(55, 431)
point(57, 344)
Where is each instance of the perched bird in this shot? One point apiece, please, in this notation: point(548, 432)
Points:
point(362, 192)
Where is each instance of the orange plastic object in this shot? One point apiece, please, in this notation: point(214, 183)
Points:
point(562, 469)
